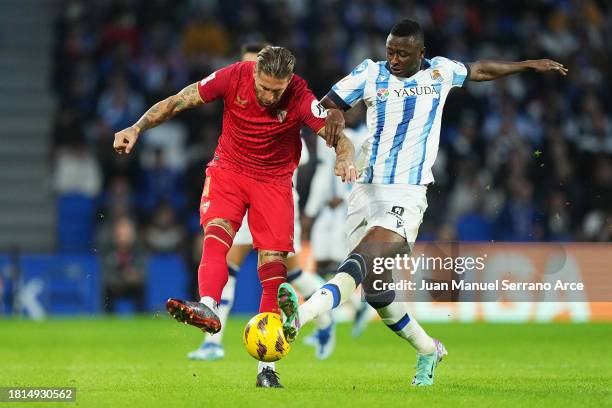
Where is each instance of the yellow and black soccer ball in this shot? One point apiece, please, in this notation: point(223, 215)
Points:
point(264, 338)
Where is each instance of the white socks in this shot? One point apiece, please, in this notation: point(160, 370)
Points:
point(227, 301)
point(397, 318)
point(335, 292)
point(263, 365)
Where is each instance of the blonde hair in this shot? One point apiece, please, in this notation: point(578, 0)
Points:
point(277, 62)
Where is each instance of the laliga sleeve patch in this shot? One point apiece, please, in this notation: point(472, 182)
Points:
point(208, 78)
point(317, 110)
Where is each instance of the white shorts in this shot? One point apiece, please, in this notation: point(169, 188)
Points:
point(244, 237)
point(328, 239)
point(396, 207)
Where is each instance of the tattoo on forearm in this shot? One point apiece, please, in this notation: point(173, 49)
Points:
point(164, 110)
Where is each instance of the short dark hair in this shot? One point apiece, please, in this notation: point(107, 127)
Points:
point(277, 62)
point(254, 47)
point(408, 28)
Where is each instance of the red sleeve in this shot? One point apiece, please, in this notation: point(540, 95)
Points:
point(312, 114)
point(216, 84)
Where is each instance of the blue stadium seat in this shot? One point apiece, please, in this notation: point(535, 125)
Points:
point(167, 278)
point(75, 222)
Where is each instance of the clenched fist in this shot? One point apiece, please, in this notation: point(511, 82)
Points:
point(125, 139)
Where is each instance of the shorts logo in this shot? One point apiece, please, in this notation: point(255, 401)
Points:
point(208, 78)
point(281, 115)
point(382, 94)
point(204, 207)
point(397, 212)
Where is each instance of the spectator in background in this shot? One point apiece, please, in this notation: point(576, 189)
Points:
point(119, 105)
point(158, 46)
point(519, 218)
point(161, 183)
point(164, 234)
point(67, 129)
point(123, 265)
point(162, 67)
point(205, 40)
point(77, 171)
point(119, 199)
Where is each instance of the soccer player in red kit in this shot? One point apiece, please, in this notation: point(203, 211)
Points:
point(265, 106)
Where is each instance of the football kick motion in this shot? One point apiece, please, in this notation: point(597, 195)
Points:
point(265, 106)
point(404, 96)
point(306, 283)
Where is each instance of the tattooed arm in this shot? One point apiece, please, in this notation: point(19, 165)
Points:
point(162, 111)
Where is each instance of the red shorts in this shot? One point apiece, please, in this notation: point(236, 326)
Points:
point(228, 195)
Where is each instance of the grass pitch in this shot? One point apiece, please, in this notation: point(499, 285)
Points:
point(142, 363)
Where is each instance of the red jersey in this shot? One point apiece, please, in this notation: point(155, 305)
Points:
point(257, 141)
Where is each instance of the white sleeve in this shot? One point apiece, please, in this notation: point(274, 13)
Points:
point(454, 72)
point(349, 90)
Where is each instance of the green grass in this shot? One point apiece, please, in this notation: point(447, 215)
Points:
point(141, 362)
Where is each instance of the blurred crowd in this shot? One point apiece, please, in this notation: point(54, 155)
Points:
point(526, 158)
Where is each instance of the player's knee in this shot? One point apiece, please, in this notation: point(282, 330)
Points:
point(220, 223)
point(356, 266)
point(375, 289)
point(380, 242)
point(217, 239)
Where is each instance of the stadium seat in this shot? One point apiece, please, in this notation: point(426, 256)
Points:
point(167, 277)
point(75, 222)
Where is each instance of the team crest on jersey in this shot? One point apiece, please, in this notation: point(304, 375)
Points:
point(241, 102)
point(382, 94)
point(281, 115)
point(436, 75)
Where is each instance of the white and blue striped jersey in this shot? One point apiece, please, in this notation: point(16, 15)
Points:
point(403, 117)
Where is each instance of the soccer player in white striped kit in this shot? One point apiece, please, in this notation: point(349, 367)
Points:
point(404, 96)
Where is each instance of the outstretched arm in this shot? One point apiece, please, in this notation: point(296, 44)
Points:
point(486, 70)
point(162, 111)
point(345, 157)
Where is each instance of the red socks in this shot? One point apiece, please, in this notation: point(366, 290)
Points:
point(213, 271)
point(271, 275)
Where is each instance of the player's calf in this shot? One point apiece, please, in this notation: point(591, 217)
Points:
point(337, 290)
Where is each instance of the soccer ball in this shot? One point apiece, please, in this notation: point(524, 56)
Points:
point(264, 338)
